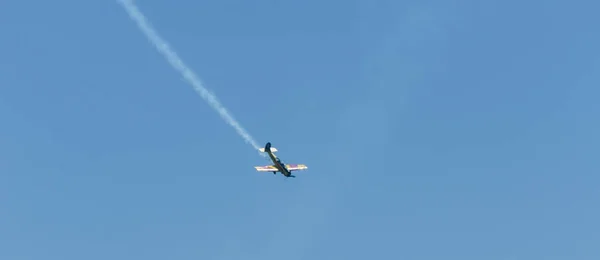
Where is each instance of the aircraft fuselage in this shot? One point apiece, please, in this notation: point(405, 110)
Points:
point(276, 162)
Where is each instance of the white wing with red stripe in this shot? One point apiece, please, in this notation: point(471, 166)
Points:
point(272, 168)
point(296, 167)
point(267, 168)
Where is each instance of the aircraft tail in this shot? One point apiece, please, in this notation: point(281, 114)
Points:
point(268, 148)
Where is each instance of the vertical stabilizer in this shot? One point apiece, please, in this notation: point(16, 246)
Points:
point(268, 148)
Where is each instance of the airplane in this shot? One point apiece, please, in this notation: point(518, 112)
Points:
point(278, 165)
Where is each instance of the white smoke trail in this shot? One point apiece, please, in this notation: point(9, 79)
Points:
point(163, 47)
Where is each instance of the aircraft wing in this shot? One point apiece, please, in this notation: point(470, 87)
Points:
point(296, 167)
point(267, 168)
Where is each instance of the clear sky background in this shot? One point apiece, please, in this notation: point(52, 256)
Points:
point(432, 130)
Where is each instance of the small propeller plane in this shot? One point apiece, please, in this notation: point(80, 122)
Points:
point(278, 165)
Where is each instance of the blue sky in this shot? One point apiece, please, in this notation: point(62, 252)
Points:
point(432, 129)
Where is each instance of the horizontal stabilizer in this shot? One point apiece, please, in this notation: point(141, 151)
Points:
point(273, 149)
